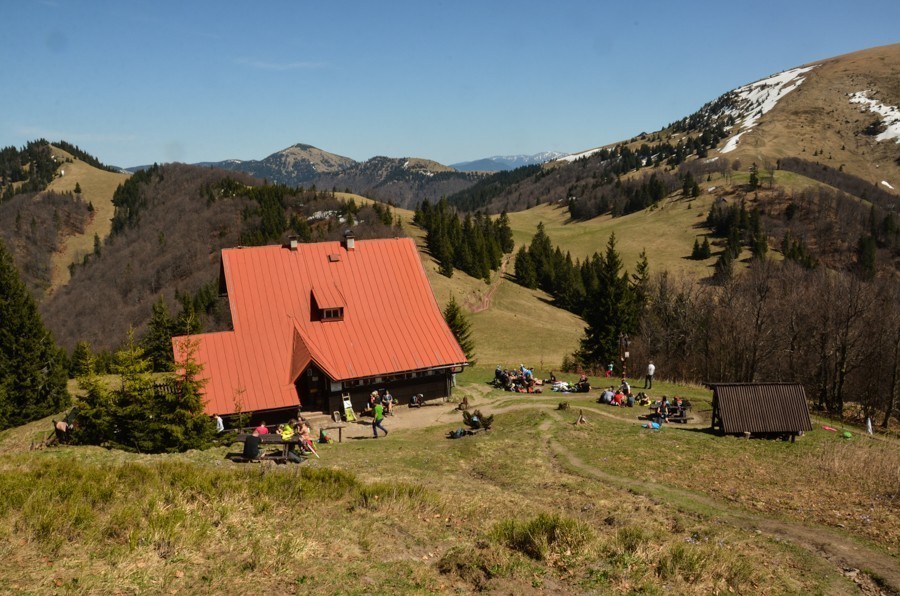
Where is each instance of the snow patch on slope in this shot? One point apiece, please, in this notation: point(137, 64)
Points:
point(756, 99)
point(890, 115)
point(576, 156)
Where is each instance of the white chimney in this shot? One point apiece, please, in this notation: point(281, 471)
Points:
point(349, 240)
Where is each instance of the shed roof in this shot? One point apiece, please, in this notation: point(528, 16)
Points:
point(760, 407)
point(391, 321)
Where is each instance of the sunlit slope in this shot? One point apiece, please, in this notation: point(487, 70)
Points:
point(97, 187)
point(666, 232)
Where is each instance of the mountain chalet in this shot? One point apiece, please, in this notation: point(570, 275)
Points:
point(315, 322)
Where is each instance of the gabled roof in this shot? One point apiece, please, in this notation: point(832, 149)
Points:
point(760, 407)
point(391, 321)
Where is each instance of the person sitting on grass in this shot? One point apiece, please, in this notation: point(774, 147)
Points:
point(618, 396)
point(607, 396)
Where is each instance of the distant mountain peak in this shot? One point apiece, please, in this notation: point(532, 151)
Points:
point(499, 163)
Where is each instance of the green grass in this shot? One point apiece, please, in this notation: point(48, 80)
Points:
point(667, 234)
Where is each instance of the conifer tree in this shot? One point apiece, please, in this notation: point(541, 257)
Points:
point(724, 268)
point(526, 273)
point(460, 327)
point(139, 415)
point(82, 360)
point(695, 252)
point(157, 341)
point(32, 368)
point(754, 176)
point(612, 310)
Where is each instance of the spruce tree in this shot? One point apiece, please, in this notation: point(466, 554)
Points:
point(82, 360)
point(526, 273)
point(754, 177)
point(460, 327)
point(32, 369)
point(141, 415)
point(611, 311)
point(695, 252)
point(157, 342)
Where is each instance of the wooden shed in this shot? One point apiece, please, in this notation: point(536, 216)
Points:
point(767, 409)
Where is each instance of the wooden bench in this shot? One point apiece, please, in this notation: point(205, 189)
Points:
point(340, 429)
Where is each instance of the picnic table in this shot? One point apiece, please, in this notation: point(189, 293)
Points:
point(273, 439)
point(676, 413)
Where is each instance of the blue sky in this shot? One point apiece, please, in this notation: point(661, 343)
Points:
point(157, 81)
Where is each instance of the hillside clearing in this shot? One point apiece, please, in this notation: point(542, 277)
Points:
point(98, 187)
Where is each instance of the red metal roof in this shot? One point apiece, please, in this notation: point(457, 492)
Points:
point(391, 320)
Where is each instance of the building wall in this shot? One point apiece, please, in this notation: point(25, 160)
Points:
point(431, 386)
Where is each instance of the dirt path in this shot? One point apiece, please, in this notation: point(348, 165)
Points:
point(849, 556)
point(485, 302)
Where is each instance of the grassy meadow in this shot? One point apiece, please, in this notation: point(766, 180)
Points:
point(537, 503)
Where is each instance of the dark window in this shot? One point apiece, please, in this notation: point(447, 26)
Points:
point(332, 314)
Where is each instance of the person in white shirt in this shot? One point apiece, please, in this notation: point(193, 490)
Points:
point(648, 382)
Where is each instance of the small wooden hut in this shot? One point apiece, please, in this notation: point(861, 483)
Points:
point(767, 409)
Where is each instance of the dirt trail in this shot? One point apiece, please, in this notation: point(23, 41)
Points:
point(828, 544)
point(485, 302)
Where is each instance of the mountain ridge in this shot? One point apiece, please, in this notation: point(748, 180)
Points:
point(499, 163)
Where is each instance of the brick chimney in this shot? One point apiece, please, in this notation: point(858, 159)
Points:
point(349, 240)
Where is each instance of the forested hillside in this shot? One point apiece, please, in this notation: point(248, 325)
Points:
point(170, 224)
point(403, 182)
point(33, 226)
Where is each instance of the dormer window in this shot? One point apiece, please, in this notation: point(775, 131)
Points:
point(327, 303)
point(332, 314)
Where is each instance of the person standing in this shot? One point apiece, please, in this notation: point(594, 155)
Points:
point(220, 426)
point(648, 381)
point(378, 412)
